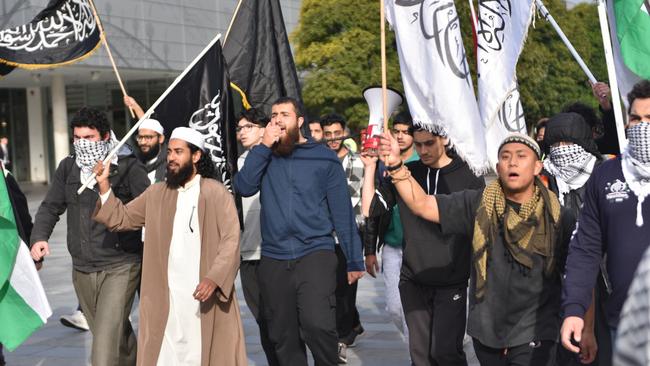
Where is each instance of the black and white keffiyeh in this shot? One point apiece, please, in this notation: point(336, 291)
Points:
point(571, 165)
point(636, 165)
point(88, 153)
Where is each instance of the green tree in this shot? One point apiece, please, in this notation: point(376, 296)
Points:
point(337, 47)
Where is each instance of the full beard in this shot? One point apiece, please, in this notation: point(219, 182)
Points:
point(287, 143)
point(152, 153)
point(178, 179)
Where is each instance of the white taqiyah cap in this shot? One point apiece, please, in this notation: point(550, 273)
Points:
point(152, 124)
point(190, 135)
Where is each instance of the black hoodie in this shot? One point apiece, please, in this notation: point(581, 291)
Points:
point(431, 258)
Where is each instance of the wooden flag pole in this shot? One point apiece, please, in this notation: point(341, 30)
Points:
point(232, 20)
point(108, 50)
point(384, 81)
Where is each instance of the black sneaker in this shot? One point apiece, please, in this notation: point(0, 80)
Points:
point(351, 339)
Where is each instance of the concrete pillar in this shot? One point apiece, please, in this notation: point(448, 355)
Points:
point(36, 128)
point(61, 126)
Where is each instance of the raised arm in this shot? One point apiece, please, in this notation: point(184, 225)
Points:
point(409, 190)
point(249, 178)
point(131, 103)
point(111, 212)
point(368, 188)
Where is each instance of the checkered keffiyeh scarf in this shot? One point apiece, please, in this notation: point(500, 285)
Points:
point(88, 153)
point(636, 165)
point(571, 165)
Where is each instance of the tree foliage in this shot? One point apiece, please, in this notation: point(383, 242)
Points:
point(337, 50)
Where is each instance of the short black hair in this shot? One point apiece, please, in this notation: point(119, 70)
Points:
point(641, 90)
point(91, 118)
point(587, 113)
point(404, 118)
point(332, 118)
point(254, 115)
point(297, 105)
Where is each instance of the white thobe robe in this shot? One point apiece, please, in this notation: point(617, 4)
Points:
point(181, 344)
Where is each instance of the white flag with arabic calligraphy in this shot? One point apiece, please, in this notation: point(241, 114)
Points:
point(436, 76)
point(501, 33)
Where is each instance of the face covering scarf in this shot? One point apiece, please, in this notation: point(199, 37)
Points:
point(636, 165)
point(571, 165)
point(88, 153)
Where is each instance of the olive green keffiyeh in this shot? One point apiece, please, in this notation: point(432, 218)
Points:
point(529, 232)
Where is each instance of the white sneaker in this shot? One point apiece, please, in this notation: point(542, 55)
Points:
point(76, 320)
point(342, 354)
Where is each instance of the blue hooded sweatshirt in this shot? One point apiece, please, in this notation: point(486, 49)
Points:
point(304, 199)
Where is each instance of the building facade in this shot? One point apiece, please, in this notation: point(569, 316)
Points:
point(152, 42)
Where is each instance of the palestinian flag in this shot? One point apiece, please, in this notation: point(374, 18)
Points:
point(633, 31)
point(23, 305)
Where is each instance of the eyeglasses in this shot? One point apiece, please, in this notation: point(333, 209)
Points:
point(246, 128)
point(145, 137)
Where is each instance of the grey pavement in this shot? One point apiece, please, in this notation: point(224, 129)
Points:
point(56, 345)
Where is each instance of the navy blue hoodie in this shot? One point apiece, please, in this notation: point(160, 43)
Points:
point(606, 225)
point(304, 199)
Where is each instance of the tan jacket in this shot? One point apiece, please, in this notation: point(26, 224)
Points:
point(222, 334)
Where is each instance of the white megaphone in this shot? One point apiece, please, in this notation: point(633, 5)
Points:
point(373, 96)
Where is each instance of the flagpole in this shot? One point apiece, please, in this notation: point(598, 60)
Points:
point(611, 71)
point(384, 81)
point(546, 15)
point(232, 21)
point(108, 50)
point(151, 110)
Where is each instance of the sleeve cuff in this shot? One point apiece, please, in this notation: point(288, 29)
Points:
point(574, 310)
point(356, 266)
point(104, 197)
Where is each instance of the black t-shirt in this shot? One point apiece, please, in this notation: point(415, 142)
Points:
point(520, 304)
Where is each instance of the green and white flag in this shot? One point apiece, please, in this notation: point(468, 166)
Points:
point(23, 304)
point(633, 31)
point(629, 25)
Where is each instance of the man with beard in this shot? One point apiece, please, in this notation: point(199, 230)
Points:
point(612, 221)
point(348, 325)
point(250, 130)
point(188, 309)
point(518, 234)
point(106, 266)
point(150, 138)
point(153, 152)
point(385, 231)
point(304, 198)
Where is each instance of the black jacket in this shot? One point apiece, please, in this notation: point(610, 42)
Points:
point(159, 165)
point(429, 258)
point(92, 247)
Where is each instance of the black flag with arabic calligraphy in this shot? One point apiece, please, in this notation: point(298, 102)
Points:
point(63, 33)
point(202, 100)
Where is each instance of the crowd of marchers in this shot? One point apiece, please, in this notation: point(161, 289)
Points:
point(541, 265)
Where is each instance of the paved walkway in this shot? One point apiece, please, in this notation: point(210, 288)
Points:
point(56, 345)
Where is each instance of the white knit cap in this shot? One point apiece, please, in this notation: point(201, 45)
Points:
point(190, 135)
point(152, 124)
